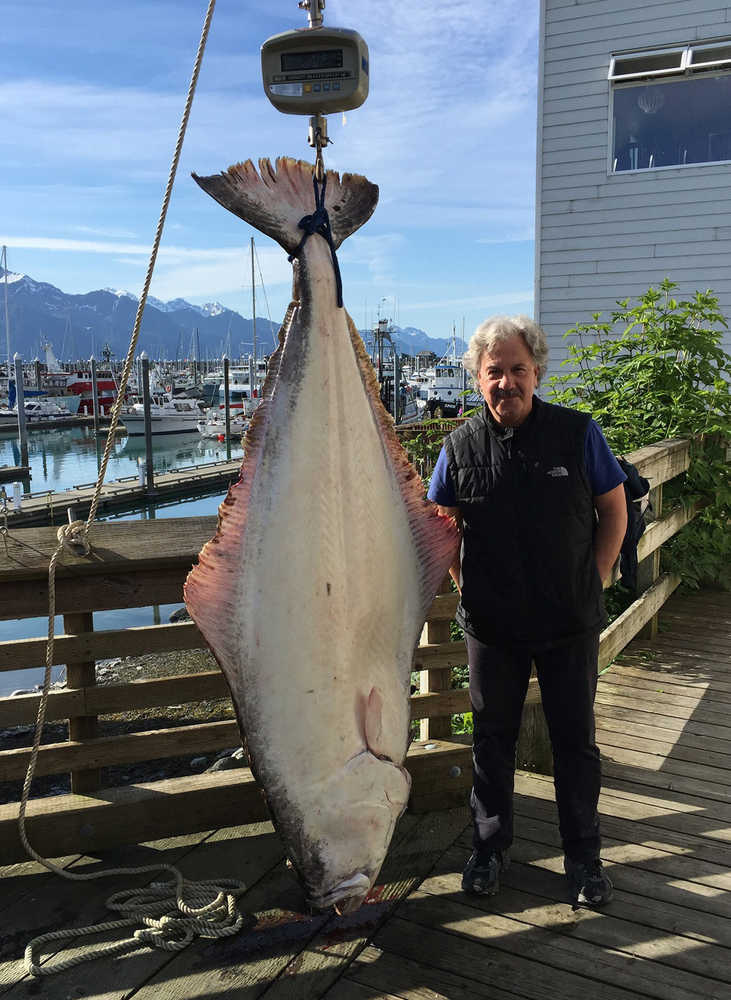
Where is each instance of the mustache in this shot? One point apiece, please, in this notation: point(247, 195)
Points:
point(508, 393)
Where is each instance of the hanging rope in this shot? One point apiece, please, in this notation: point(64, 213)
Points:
point(319, 222)
point(175, 911)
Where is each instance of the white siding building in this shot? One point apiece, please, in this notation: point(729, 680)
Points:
point(634, 155)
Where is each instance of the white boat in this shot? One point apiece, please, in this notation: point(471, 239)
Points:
point(214, 424)
point(168, 415)
point(35, 409)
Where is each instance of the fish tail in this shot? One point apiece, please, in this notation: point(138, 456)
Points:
point(275, 199)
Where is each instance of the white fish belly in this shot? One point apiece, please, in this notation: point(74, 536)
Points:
point(326, 621)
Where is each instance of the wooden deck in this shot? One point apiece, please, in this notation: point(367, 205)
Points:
point(663, 713)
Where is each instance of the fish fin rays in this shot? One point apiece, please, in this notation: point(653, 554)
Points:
point(272, 198)
point(435, 537)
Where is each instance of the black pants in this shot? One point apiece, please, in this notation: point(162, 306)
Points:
point(567, 675)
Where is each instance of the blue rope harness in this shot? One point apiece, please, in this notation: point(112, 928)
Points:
point(319, 222)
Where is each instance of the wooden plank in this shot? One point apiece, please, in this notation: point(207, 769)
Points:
point(379, 970)
point(633, 665)
point(644, 769)
point(535, 803)
point(283, 950)
point(176, 690)
point(654, 676)
point(45, 901)
point(103, 592)
point(660, 698)
point(81, 727)
point(180, 689)
point(645, 723)
point(651, 898)
point(616, 636)
point(481, 963)
point(107, 751)
point(247, 853)
point(103, 645)
point(120, 546)
point(698, 720)
point(407, 863)
point(112, 817)
point(558, 944)
point(679, 814)
point(650, 877)
point(441, 774)
point(613, 734)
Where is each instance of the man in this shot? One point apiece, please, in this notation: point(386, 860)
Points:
point(538, 497)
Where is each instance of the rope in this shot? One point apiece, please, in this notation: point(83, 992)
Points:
point(319, 222)
point(175, 911)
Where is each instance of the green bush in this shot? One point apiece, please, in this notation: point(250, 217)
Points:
point(656, 370)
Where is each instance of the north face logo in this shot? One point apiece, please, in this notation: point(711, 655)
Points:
point(558, 470)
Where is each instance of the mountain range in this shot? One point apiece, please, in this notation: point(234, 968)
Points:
point(78, 326)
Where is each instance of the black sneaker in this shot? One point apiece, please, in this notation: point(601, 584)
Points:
point(589, 885)
point(482, 873)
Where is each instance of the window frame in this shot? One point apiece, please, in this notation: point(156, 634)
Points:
point(719, 67)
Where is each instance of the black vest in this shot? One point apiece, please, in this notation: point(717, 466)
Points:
point(528, 569)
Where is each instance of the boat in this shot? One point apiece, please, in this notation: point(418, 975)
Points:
point(56, 381)
point(36, 409)
point(168, 415)
point(214, 424)
point(447, 394)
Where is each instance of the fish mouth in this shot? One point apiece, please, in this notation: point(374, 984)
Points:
point(346, 896)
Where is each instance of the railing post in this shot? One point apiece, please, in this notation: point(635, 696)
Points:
point(648, 570)
point(82, 727)
point(436, 680)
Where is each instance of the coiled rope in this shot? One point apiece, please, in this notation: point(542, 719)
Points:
point(173, 912)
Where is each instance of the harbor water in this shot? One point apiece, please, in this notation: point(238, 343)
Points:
point(60, 459)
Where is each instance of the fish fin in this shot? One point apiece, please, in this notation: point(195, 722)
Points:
point(435, 537)
point(275, 199)
point(374, 723)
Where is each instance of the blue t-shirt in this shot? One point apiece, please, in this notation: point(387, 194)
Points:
point(603, 469)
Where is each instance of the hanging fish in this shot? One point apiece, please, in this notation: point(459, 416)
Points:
point(313, 592)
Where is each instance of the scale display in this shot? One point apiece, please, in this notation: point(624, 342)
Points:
point(315, 70)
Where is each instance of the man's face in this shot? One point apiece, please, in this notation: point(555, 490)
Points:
point(507, 378)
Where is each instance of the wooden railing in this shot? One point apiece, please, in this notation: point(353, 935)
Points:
point(141, 563)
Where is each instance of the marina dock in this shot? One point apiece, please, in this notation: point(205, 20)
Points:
point(664, 732)
point(124, 494)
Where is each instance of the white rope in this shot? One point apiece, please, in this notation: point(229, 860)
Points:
point(176, 911)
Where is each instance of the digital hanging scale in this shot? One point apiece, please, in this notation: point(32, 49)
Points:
point(315, 70)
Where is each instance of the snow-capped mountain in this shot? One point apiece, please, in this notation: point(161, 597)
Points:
point(80, 325)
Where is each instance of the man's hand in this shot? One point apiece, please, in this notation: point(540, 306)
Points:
point(611, 511)
point(455, 568)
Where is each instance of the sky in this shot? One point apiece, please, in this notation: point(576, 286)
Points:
point(91, 98)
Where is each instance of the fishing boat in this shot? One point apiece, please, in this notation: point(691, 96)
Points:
point(168, 415)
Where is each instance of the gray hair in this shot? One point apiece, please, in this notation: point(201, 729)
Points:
point(499, 328)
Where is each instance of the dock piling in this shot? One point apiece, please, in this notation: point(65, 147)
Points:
point(150, 471)
point(94, 395)
point(227, 405)
point(20, 401)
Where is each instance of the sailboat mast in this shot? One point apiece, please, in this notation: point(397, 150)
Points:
point(7, 321)
point(253, 300)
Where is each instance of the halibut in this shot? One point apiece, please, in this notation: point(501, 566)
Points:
point(314, 590)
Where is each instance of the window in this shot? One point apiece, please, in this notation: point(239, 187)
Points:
point(670, 107)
